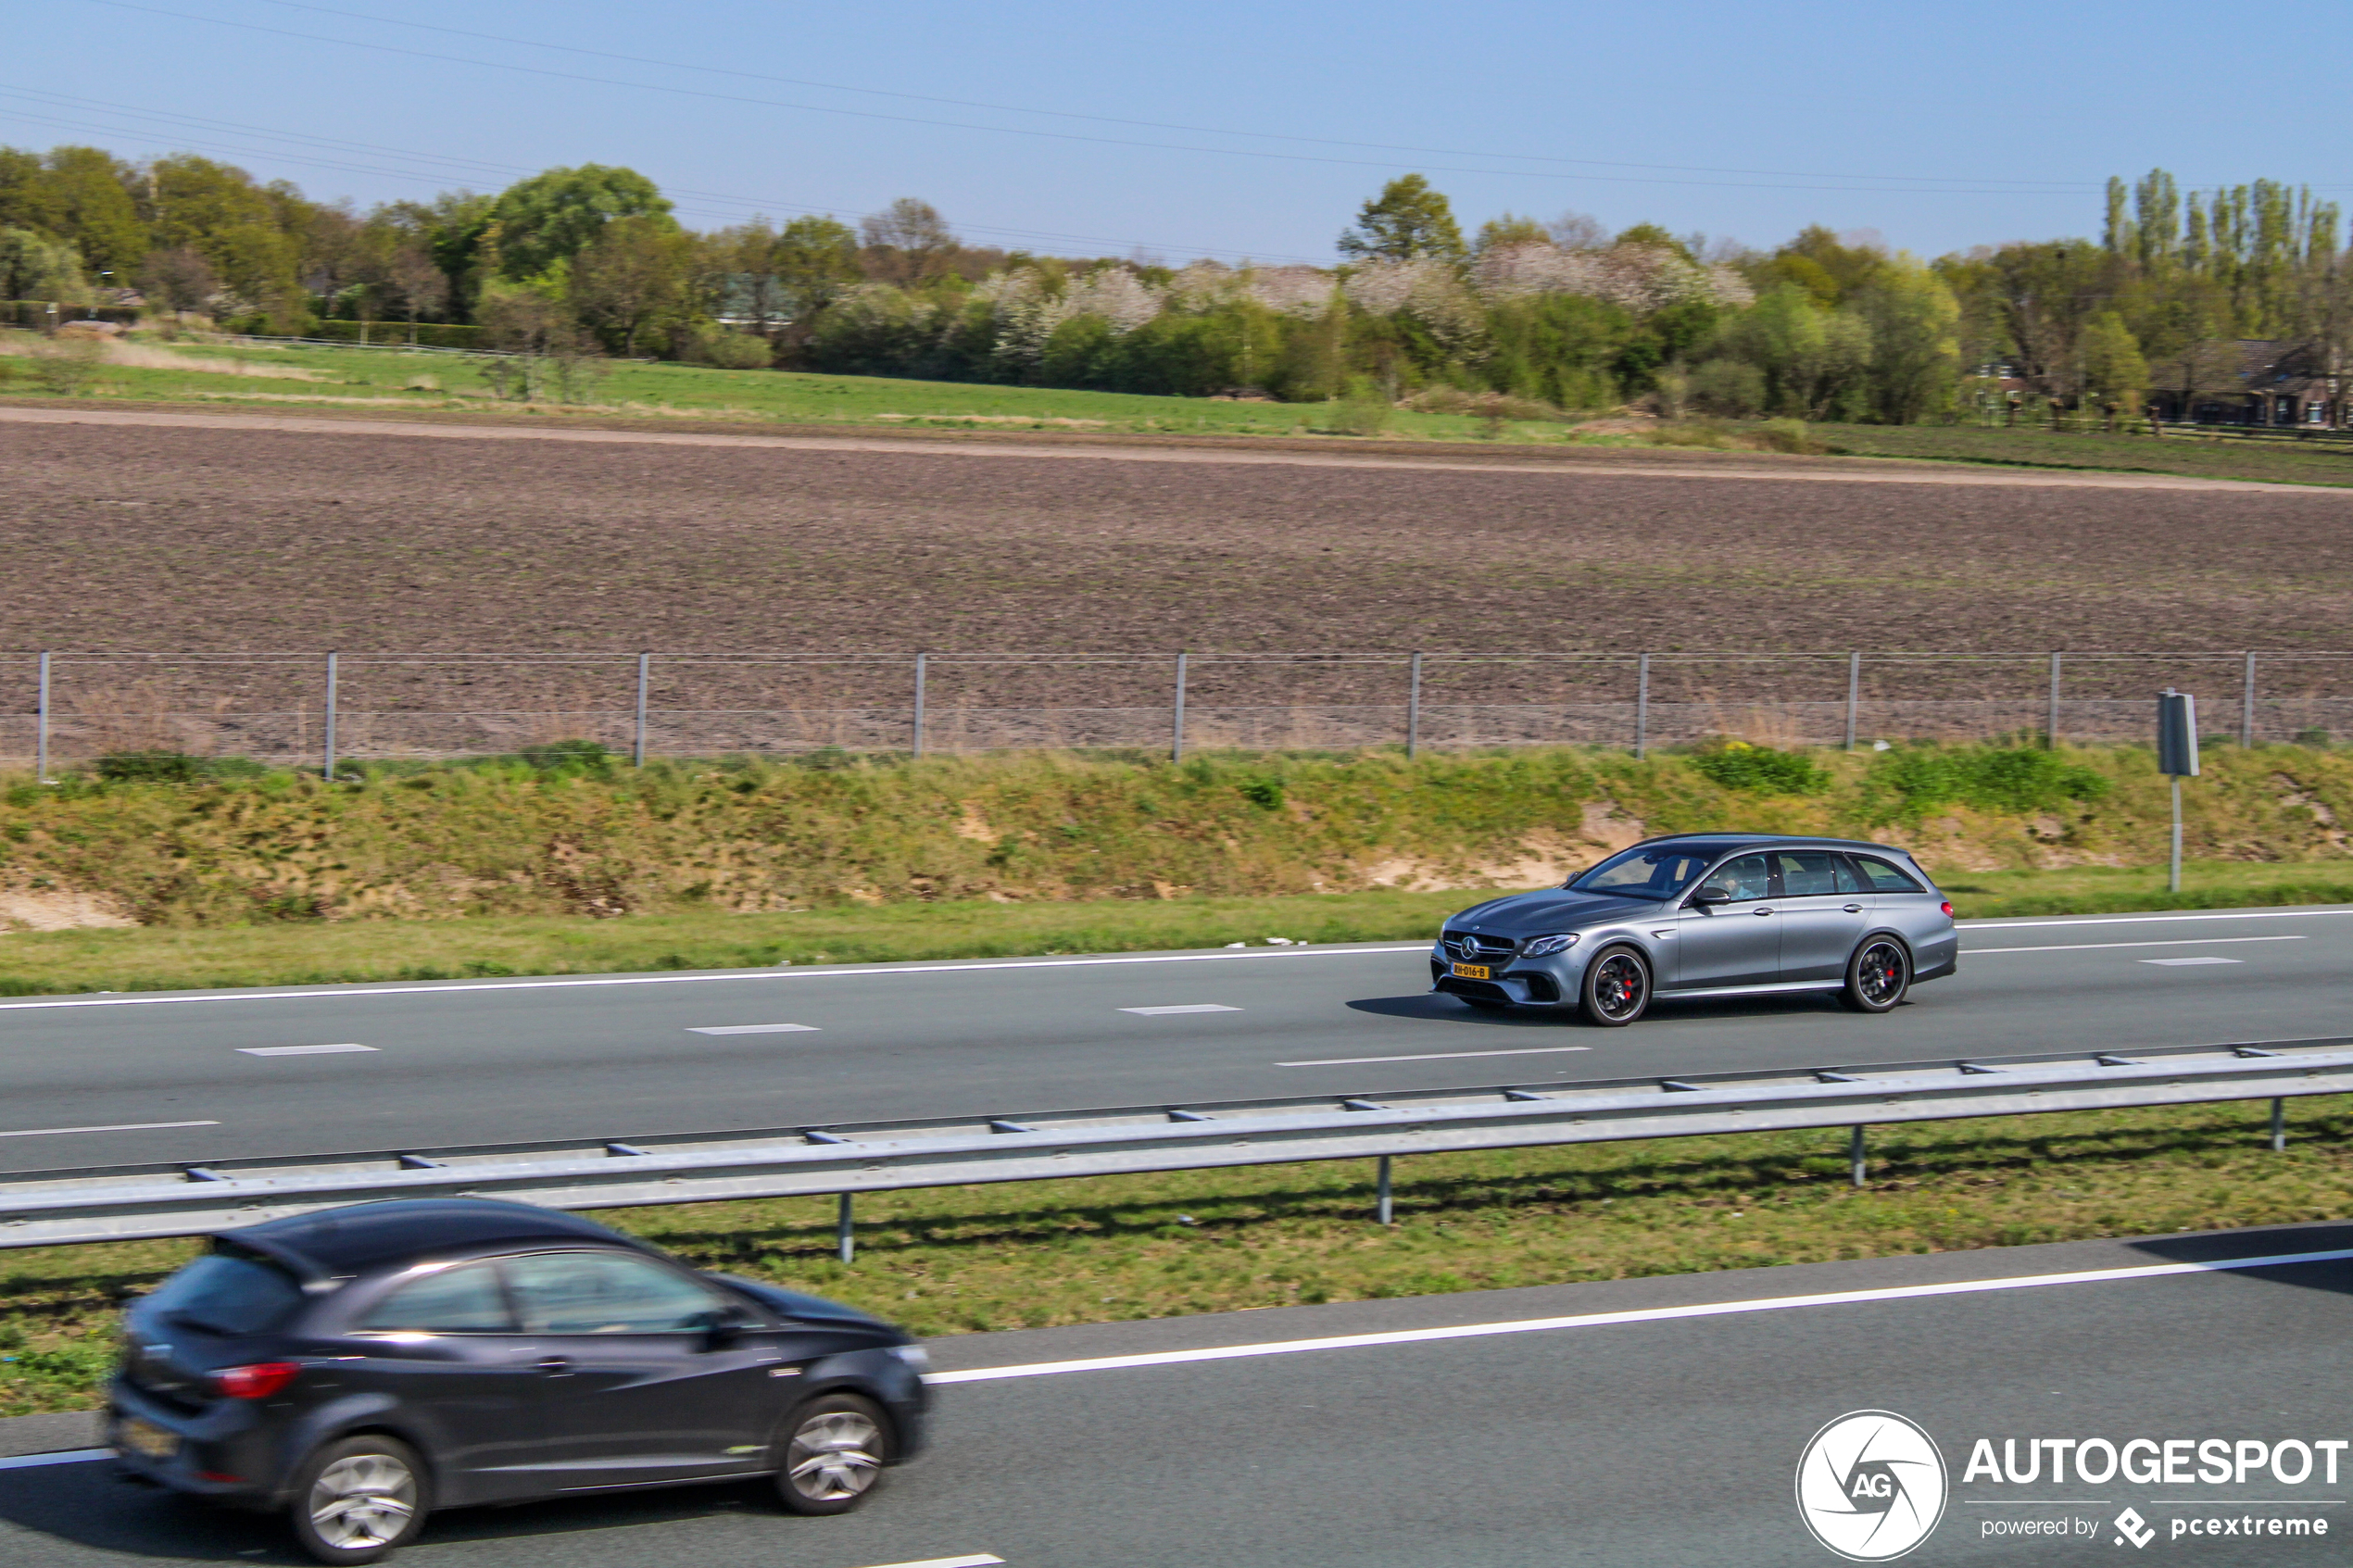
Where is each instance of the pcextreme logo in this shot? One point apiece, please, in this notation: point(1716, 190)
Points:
point(1870, 1486)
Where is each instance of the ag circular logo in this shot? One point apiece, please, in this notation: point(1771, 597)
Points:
point(1870, 1486)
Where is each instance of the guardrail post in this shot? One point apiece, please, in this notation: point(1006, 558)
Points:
point(1387, 1214)
point(637, 749)
point(921, 660)
point(1642, 705)
point(41, 727)
point(2247, 704)
point(1854, 694)
point(1414, 713)
point(1177, 733)
point(1854, 1154)
point(845, 1230)
point(327, 767)
point(2279, 1125)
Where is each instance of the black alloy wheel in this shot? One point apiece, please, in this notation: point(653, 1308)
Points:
point(1616, 988)
point(832, 1450)
point(1877, 976)
point(359, 1499)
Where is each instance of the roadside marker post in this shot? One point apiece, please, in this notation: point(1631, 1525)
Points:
point(41, 727)
point(1853, 694)
point(645, 669)
point(327, 765)
point(1642, 705)
point(1177, 732)
point(1387, 1211)
point(2177, 757)
point(1414, 713)
point(922, 662)
point(845, 1229)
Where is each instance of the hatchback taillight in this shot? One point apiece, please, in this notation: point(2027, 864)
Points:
point(1948, 908)
point(255, 1382)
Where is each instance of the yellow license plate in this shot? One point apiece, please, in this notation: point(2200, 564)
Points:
point(1472, 972)
point(147, 1438)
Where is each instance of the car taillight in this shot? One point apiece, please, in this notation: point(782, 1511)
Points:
point(255, 1382)
point(1948, 908)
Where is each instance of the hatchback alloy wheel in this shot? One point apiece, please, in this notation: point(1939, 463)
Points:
point(363, 1499)
point(835, 1457)
point(1618, 987)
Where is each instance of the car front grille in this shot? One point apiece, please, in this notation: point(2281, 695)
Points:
point(1470, 946)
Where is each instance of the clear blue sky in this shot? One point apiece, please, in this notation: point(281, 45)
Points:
point(1940, 126)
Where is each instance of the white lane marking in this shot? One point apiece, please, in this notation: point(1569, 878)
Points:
point(755, 1029)
point(867, 971)
point(1645, 1314)
point(2089, 947)
point(345, 1050)
point(2142, 920)
point(1181, 1006)
point(119, 1127)
point(2184, 963)
point(75, 1456)
point(977, 1559)
point(1437, 1056)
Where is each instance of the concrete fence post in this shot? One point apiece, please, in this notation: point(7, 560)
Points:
point(327, 765)
point(1177, 730)
point(1642, 705)
point(921, 671)
point(2051, 724)
point(1853, 694)
point(1414, 713)
point(40, 726)
point(645, 670)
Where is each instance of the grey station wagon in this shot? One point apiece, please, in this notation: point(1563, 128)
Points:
point(1713, 914)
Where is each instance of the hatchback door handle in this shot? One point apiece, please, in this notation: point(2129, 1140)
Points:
point(1852, 909)
point(557, 1366)
point(1764, 911)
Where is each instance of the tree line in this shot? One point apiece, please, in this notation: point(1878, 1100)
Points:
point(572, 264)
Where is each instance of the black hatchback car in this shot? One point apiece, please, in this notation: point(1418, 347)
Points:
point(361, 1366)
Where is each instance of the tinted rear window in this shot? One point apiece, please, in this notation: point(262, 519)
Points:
point(228, 1294)
point(465, 1300)
point(1885, 878)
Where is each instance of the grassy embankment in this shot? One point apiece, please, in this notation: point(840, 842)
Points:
point(269, 878)
point(393, 381)
point(428, 872)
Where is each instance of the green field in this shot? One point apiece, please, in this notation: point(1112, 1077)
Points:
point(394, 379)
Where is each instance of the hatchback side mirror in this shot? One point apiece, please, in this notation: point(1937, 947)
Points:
point(1712, 896)
point(722, 1326)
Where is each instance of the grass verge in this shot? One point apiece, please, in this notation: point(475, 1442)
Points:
point(174, 958)
point(977, 1259)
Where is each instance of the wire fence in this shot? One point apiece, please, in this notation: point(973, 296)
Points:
point(62, 709)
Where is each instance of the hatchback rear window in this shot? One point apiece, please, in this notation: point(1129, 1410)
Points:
point(465, 1300)
point(228, 1293)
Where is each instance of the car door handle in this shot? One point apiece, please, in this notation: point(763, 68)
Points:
point(1764, 911)
point(1852, 909)
point(556, 1366)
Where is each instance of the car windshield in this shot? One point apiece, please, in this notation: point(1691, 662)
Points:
point(228, 1293)
point(1652, 872)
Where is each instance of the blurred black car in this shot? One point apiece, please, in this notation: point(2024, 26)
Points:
point(362, 1366)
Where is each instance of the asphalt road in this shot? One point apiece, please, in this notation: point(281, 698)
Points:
point(102, 1080)
point(1662, 1422)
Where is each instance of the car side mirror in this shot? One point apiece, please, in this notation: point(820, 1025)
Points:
point(1712, 896)
point(722, 1326)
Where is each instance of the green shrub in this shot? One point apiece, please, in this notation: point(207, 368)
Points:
point(1991, 779)
point(1760, 770)
point(571, 756)
point(150, 767)
point(1363, 411)
point(1786, 435)
point(1267, 794)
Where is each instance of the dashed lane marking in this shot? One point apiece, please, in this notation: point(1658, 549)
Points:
point(1181, 1006)
point(2091, 946)
point(1436, 1056)
point(2184, 963)
point(755, 1029)
point(346, 1048)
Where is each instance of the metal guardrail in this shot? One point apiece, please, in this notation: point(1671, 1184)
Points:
point(126, 1202)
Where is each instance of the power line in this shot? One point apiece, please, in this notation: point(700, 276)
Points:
point(742, 205)
point(1013, 131)
point(2058, 186)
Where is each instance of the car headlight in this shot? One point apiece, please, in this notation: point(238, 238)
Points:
point(914, 1356)
point(1544, 946)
